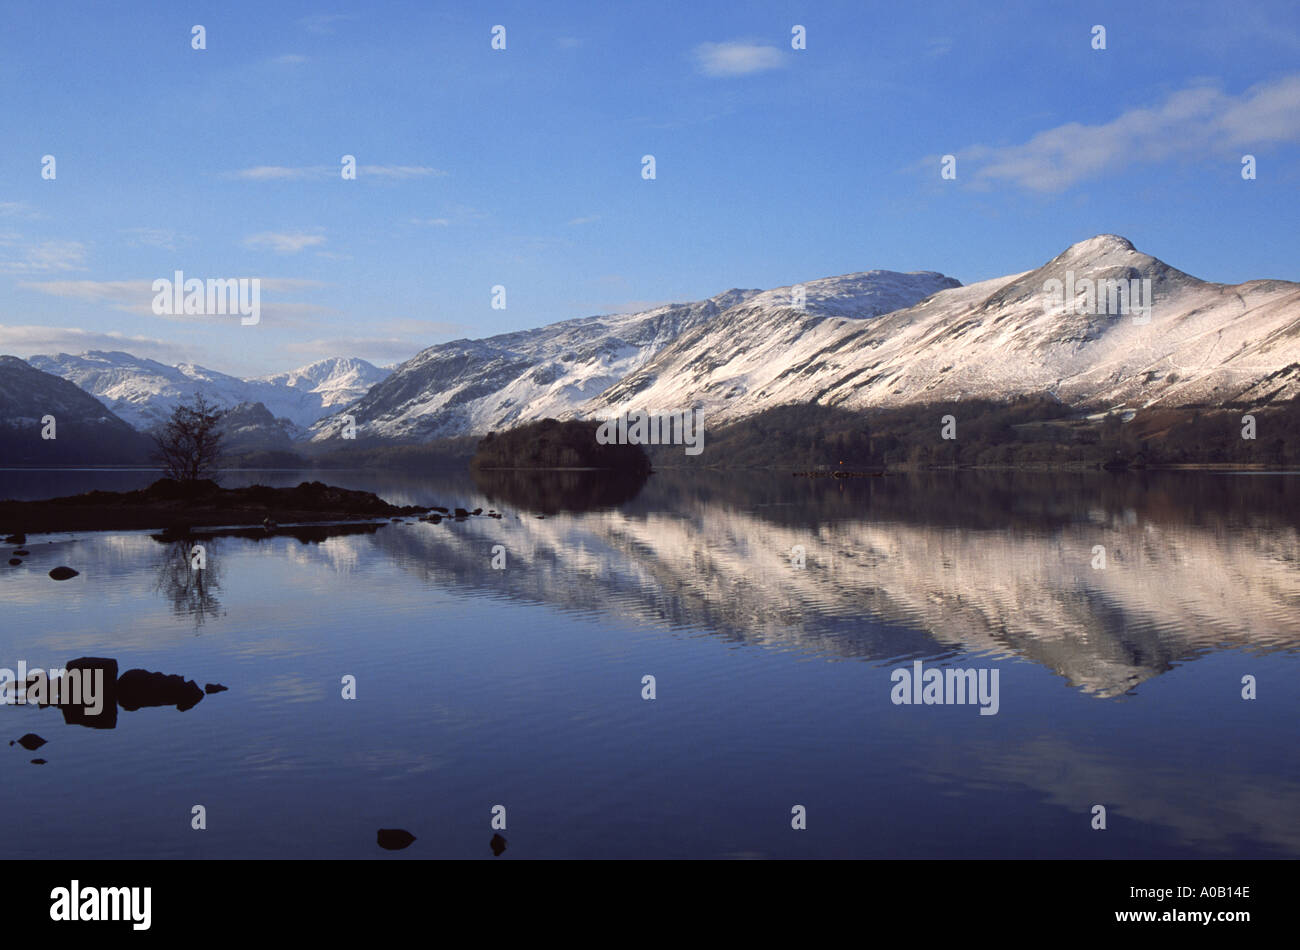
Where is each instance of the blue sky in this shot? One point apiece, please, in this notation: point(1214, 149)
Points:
point(522, 167)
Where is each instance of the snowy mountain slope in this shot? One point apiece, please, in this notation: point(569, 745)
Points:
point(337, 381)
point(480, 385)
point(144, 392)
point(477, 385)
point(1204, 343)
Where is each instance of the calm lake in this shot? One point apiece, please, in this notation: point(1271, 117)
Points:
point(1119, 612)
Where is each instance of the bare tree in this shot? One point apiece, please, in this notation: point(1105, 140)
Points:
point(189, 443)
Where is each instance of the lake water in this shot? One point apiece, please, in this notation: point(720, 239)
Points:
point(772, 613)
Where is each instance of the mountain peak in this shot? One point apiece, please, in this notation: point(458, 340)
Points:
point(1102, 243)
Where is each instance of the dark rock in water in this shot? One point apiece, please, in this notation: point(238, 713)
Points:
point(138, 688)
point(63, 573)
point(38, 761)
point(15, 561)
point(461, 513)
point(434, 519)
point(21, 552)
point(85, 715)
point(477, 511)
point(16, 539)
point(498, 844)
point(493, 514)
point(31, 742)
point(439, 508)
point(395, 839)
point(214, 688)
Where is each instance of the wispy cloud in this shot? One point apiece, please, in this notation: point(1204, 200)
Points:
point(323, 23)
point(1194, 122)
point(326, 172)
point(589, 219)
point(284, 242)
point(136, 297)
point(736, 58)
point(938, 46)
point(432, 222)
point(119, 293)
point(18, 209)
point(163, 238)
point(289, 59)
point(30, 340)
point(20, 256)
point(399, 172)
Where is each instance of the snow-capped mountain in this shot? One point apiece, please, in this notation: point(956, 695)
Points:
point(144, 391)
point(877, 338)
point(338, 380)
point(474, 386)
point(1201, 344)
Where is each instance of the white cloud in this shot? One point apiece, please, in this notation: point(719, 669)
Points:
point(282, 172)
point(327, 172)
point(322, 23)
point(283, 242)
point(398, 171)
point(21, 257)
point(18, 209)
point(119, 293)
point(152, 237)
point(1194, 122)
point(432, 222)
point(589, 219)
point(736, 58)
point(136, 297)
point(29, 340)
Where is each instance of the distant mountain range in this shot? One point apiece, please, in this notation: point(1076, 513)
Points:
point(144, 392)
point(567, 369)
point(870, 339)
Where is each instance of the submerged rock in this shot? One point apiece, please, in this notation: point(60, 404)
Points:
point(63, 573)
point(21, 552)
point(395, 839)
point(15, 561)
point(214, 688)
point(461, 513)
point(16, 539)
point(38, 761)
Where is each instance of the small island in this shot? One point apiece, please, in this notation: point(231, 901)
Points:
point(173, 505)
